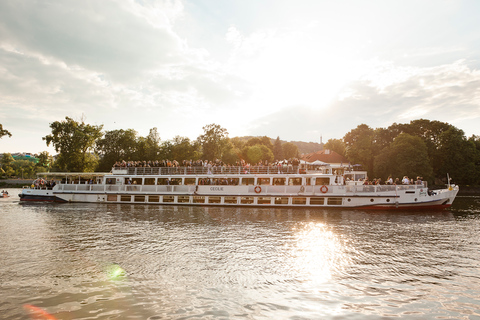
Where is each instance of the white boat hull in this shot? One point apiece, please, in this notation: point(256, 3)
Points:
point(366, 197)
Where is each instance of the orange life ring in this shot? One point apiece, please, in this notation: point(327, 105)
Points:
point(258, 189)
point(324, 189)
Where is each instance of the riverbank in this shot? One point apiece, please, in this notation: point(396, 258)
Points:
point(15, 183)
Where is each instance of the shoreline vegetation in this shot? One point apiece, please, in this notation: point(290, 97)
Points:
point(433, 150)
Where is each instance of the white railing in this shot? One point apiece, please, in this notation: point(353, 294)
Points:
point(252, 189)
point(206, 170)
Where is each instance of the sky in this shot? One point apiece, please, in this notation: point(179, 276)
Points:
point(299, 70)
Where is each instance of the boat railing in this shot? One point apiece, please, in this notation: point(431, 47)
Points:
point(277, 190)
point(197, 170)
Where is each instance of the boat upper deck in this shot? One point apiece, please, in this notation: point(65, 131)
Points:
point(234, 170)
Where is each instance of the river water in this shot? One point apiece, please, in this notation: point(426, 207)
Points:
point(99, 261)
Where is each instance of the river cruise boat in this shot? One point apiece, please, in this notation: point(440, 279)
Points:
point(262, 186)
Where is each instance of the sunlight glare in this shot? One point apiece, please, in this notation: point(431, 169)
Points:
point(319, 253)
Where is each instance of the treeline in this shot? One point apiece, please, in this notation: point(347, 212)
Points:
point(430, 149)
point(82, 147)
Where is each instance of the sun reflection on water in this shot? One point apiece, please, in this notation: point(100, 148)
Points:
point(318, 253)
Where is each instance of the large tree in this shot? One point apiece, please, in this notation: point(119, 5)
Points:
point(336, 145)
point(7, 162)
point(407, 155)
point(213, 141)
point(278, 150)
point(179, 148)
point(360, 147)
point(457, 156)
point(75, 142)
point(290, 150)
point(116, 145)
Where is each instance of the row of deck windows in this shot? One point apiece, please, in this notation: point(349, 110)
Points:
point(296, 181)
point(224, 200)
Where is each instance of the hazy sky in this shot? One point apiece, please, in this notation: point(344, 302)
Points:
point(294, 69)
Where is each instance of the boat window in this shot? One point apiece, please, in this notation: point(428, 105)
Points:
point(247, 181)
point(139, 198)
point(162, 181)
point(230, 200)
point(334, 201)
point(136, 180)
point(220, 181)
point(294, 181)
point(297, 200)
point(214, 199)
point(153, 198)
point(246, 200)
point(204, 181)
point(264, 200)
point(110, 181)
point(149, 181)
point(198, 199)
point(112, 197)
point(168, 198)
point(175, 181)
point(317, 201)
point(126, 198)
point(279, 181)
point(190, 181)
point(183, 199)
point(281, 200)
point(263, 181)
point(322, 181)
point(308, 181)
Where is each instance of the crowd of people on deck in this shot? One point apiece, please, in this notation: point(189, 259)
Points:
point(405, 181)
point(211, 166)
point(41, 183)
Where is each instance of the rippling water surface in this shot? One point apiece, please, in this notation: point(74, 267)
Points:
point(89, 261)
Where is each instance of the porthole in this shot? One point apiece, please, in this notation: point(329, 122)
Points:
point(388, 200)
point(371, 200)
point(416, 199)
point(349, 200)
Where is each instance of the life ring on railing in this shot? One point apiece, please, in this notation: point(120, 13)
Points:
point(302, 189)
point(324, 189)
point(258, 189)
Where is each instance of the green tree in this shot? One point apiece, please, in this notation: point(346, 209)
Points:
point(231, 154)
point(214, 141)
point(24, 168)
point(152, 145)
point(116, 145)
point(44, 159)
point(359, 146)
point(75, 142)
point(180, 148)
point(256, 153)
point(278, 150)
point(4, 132)
point(458, 156)
point(407, 155)
point(7, 165)
point(290, 150)
point(336, 145)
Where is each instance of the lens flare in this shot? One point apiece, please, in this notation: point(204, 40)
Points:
point(37, 313)
point(115, 271)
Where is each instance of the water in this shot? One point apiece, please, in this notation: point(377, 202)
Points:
point(89, 261)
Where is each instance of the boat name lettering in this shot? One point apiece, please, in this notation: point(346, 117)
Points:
point(216, 188)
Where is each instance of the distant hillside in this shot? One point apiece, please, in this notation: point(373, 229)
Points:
point(303, 147)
